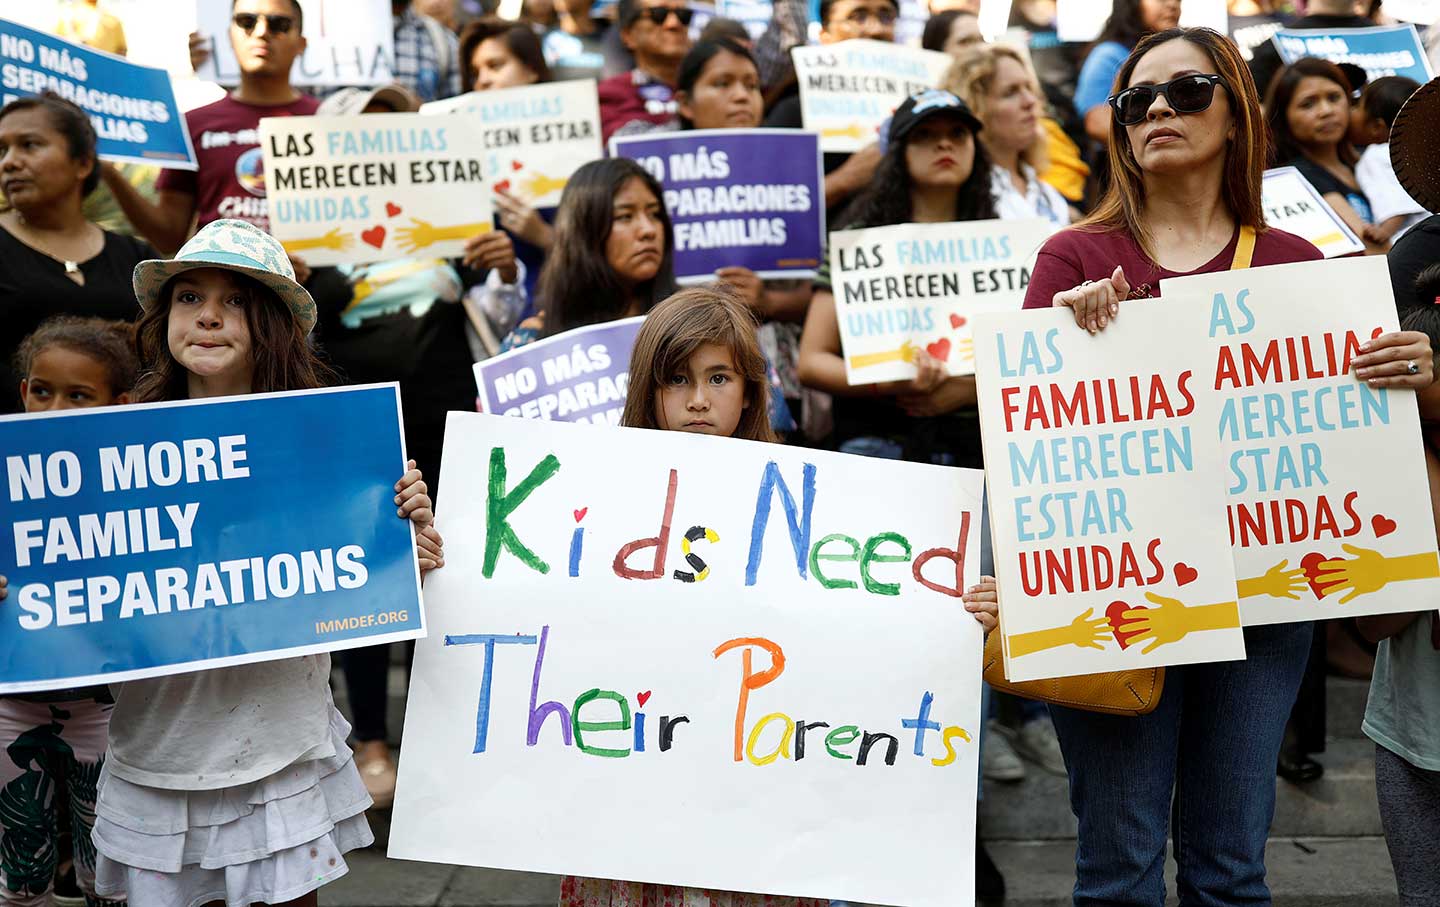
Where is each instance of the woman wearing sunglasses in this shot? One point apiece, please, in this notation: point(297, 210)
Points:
point(1187, 150)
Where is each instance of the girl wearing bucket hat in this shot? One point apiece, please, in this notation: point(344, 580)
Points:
point(190, 786)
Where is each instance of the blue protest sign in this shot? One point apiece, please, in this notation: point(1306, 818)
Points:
point(751, 198)
point(577, 376)
point(133, 107)
point(163, 538)
point(1393, 50)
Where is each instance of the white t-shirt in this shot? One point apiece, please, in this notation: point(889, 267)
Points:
point(1382, 187)
point(1038, 200)
point(221, 728)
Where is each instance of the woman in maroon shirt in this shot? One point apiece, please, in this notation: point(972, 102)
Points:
point(1187, 150)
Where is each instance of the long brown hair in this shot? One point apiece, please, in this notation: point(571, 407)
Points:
point(674, 330)
point(283, 358)
point(1121, 206)
point(1287, 149)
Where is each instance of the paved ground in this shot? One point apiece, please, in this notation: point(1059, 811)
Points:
point(1316, 872)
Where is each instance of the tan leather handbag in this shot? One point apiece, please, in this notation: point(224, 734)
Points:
point(1113, 692)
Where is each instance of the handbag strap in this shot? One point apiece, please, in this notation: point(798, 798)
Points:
point(1244, 249)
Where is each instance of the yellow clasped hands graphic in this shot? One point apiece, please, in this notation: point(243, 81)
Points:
point(335, 240)
point(1277, 582)
point(423, 233)
point(1170, 620)
point(1368, 571)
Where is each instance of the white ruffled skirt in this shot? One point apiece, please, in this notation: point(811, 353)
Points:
point(269, 841)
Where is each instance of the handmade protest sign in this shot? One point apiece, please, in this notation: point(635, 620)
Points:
point(672, 619)
point(848, 89)
point(1293, 205)
point(912, 287)
point(1104, 479)
point(348, 42)
point(165, 538)
point(375, 186)
point(1318, 530)
point(1389, 50)
point(578, 376)
point(534, 137)
point(750, 198)
point(131, 107)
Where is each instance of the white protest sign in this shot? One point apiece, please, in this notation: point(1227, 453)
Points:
point(1293, 205)
point(1318, 530)
point(912, 287)
point(534, 137)
point(374, 186)
point(348, 42)
point(1421, 12)
point(758, 627)
point(848, 89)
point(1080, 21)
point(1104, 480)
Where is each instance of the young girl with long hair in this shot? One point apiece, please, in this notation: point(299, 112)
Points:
point(612, 256)
point(56, 740)
point(697, 367)
point(235, 784)
point(934, 171)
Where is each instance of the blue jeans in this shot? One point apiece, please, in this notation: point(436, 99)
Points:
point(1209, 748)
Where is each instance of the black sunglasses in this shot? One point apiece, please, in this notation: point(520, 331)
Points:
point(658, 14)
point(275, 25)
point(1187, 94)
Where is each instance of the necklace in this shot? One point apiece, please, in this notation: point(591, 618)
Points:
point(72, 268)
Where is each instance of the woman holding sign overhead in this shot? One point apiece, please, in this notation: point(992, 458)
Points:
point(1187, 150)
point(934, 171)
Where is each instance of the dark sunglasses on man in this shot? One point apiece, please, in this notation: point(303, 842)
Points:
point(275, 25)
point(1187, 94)
point(658, 14)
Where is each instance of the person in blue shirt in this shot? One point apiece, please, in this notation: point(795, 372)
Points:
point(1130, 20)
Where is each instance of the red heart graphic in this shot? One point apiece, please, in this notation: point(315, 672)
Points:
point(392, 209)
point(642, 698)
point(957, 321)
point(1310, 563)
point(375, 236)
point(1185, 574)
point(1382, 525)
point(502, 186)
point(940, 349)
point(1116, 622)
point(516, 165)
point(580, 514)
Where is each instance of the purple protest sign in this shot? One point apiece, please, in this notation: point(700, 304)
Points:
point(750, 198)
point(577, 376)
